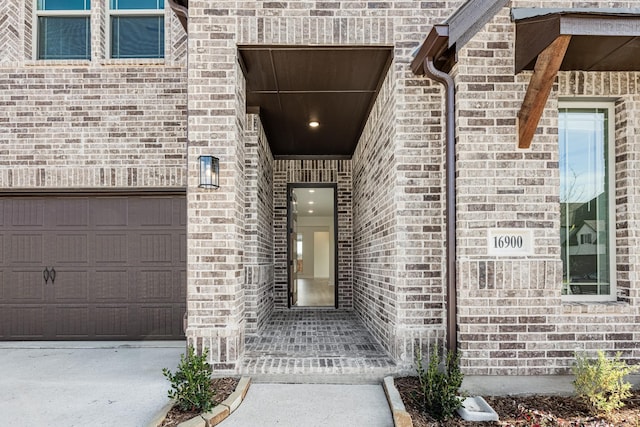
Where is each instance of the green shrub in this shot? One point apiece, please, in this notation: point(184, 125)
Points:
point(439, 385)
point(600, 382)
point(191, 384)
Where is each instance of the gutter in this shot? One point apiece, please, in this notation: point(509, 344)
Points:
point(433, 51)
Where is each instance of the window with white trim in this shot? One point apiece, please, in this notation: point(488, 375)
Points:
point(136, 28)
point(63, 29)
point(587, 211)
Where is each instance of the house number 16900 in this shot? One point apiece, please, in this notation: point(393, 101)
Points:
point(506, 242)
point(510, 242)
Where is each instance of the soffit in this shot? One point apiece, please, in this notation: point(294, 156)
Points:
point(601, 39)
point(292, 85)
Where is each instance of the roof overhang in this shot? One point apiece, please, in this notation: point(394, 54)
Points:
point(601, 39)
point(550, 40)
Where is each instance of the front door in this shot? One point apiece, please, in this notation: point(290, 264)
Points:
point(293, 255)
point(312, 248)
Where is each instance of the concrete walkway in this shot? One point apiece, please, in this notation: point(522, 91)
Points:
point(312, 405)
point(121, 384)
point(85, 383)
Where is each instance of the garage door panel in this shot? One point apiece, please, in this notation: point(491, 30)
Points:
point(4, 333)
point(182, 212)
point(111, 285)
point(26, 248)
point(71, 322)
point(27, 213)
point(70, 286)
point(26, 286)
point(111, 248)
point(25, 322)
point(112, 321)
point(69, 212)
point(155, 285)
point(152, 212)
point(182, 244)
point(182, 289)
point(156, 248)
point(110, 211)
point(157, 322)
point(69, 248)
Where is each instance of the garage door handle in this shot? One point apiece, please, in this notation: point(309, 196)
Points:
point(53, 275)
point(45, 275)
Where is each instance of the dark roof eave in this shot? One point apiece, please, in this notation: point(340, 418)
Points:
point(537, 29)
point(435, 46)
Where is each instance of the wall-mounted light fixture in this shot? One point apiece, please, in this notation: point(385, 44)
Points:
point(209, 172)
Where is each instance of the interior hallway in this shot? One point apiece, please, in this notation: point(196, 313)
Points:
point(315, 293)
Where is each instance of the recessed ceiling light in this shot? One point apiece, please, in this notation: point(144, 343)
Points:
point(311, 202)
point(314, 124)
point(310, 210)
point(312, 191)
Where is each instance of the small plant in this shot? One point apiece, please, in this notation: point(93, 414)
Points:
point(600, 382)
point(191, 384)
point(439, 385)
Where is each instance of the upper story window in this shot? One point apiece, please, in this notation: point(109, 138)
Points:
point(63, 29)
point(136, 28)
point(587, 199)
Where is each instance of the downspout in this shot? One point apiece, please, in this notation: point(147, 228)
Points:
point(450, 163)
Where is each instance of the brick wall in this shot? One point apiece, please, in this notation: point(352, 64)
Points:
point(89, 124)
point(511, 316)
point(215, 243)
point(304, 172)
point(259, 249)
point(398, 216)
point(375, 245)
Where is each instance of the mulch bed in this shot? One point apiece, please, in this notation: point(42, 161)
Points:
point(223, 387)
point(521, 411)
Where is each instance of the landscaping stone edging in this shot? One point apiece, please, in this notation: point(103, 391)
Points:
point(216, 415)
point(401, 417)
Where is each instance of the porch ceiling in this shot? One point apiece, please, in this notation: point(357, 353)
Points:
point(292, 85)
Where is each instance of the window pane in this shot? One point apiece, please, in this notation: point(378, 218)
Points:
point(64, 4)
point(137, 37)
point(64, 38)
point(584, 201)
point(137, 4)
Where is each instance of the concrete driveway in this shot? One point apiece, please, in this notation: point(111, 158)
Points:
point(84, 383)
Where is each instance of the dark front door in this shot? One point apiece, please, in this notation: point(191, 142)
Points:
point(312, 248)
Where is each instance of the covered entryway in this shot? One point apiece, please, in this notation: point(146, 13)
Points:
point(92, 267)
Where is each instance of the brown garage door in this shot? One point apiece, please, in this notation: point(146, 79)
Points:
point(92, 267)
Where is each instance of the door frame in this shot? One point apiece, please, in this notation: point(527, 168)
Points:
point(290, 187)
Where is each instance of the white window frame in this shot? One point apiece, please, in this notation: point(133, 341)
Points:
point(611, 146)
point(67, 13)
point(133, 12)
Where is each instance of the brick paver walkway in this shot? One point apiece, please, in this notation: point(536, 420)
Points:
point(315, 342)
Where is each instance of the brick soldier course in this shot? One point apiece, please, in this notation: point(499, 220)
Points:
point(107, 124)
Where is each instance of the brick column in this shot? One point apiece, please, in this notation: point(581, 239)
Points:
point(215, 230)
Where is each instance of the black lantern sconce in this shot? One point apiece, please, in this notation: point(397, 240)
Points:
point(209, 172)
